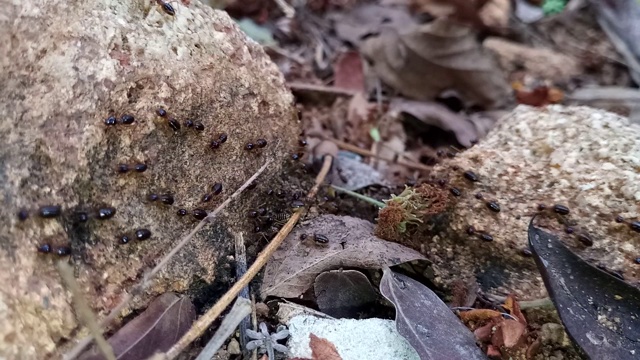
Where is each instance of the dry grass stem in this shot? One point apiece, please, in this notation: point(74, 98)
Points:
point(83, 311)
point(210, 316)
point(147, 278)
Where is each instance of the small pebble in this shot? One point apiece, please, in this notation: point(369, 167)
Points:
point(233, 348)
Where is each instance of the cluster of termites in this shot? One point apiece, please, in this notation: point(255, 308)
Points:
point(54, 211)
point(125, 119)
point(558, 211)
point(174, 124)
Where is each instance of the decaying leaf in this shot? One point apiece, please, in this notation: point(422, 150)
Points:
point(426, 322)
point(295, 265)
point(348, 72)
point(437, 115)
point(344, 293)
point(162, 324)
point(480, 13)
point(422, 61)
point(322, 349)
point(599, 311)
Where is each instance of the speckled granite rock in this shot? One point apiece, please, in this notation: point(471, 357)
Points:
point(65, 66)
point(583, 158)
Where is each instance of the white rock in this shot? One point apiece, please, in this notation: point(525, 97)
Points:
point(354, 339)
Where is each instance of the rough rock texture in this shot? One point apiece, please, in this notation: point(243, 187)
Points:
point(65, 67)
point(583, 158)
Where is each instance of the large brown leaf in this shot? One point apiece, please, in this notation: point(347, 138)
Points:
point(160, 326)
point(435, 57)
point(295, 265)
point(426, 322)
point(420, 61)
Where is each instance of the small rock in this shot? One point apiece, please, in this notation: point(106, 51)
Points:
point(262, 310)
point(553, 334)
point(234, 347)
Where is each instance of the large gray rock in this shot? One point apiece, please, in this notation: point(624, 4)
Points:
point(65, 67)
point(583, 158)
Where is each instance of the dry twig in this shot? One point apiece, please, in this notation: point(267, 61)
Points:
point(83, 311)
point(139, 288)
point(205, 320)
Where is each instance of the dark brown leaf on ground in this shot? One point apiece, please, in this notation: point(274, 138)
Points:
point(434, 114)
point(351, 243)
point(322, 349)
point(344, 293)
point(160, 326)
point(422, 61)
point(599, 311)
point(426, 322)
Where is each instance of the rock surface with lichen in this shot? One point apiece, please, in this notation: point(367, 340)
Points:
point(65, 67)
point(579, 157)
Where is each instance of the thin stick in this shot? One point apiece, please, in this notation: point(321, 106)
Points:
point(364, 152)
point(254, 324)
point(287, 9)
point(212, 314)
point(371, 201)
point(241, 269)
point(239, 311)
point(83, 311)
point(326, 167)
point(147, 278)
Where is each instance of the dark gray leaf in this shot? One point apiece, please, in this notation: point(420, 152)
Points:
point(600, 312)
point(160, 326)
point(344, 293)
point(426, 322)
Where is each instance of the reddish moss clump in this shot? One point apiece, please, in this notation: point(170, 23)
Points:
point(412, 206)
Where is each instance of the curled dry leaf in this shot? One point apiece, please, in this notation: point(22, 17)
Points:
point(422, 61)
point(599, 311)
point(426, 322)
point(295, 265)
point(437, 115)
point(344, 293)
point(162, 324)
point(322, 349)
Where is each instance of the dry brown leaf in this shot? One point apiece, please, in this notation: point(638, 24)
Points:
point(477, 315)
point(348, 72)
point(509, 333)
point(511, 305)
point(322, 349)
point(439, 116)
point(435, 57)
point(295, 265)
